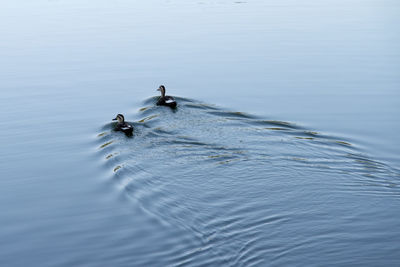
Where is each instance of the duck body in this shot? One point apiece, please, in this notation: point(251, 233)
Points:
point(165, 100)
point(122, 125)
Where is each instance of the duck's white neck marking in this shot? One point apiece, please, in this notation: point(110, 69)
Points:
point(162, 90)
point(120, 119)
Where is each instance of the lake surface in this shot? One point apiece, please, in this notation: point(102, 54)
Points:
point(283, 150)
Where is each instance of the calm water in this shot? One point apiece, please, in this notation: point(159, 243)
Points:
point(283, 150)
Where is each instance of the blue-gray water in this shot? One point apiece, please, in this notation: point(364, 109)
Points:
point(283, 150)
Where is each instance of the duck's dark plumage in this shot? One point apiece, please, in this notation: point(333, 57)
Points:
point(122, 125)
point(165, 100)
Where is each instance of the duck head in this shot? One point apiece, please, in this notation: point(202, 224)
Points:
point(120, 118)
point(162, 90)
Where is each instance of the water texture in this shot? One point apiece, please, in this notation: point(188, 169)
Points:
point(229, 187)
point(283, 150)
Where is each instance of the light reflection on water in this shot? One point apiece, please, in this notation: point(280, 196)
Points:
point(300, 168)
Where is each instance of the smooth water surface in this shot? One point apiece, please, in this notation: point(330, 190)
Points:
point(283, 149)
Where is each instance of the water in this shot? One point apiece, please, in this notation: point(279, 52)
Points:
point(283, 149)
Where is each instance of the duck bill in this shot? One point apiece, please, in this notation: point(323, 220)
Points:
point(114, 119)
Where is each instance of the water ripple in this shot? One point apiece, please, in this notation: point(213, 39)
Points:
point(232, 185)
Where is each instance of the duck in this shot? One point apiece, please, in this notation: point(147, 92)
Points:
point(122, 125)
point(165, 100)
